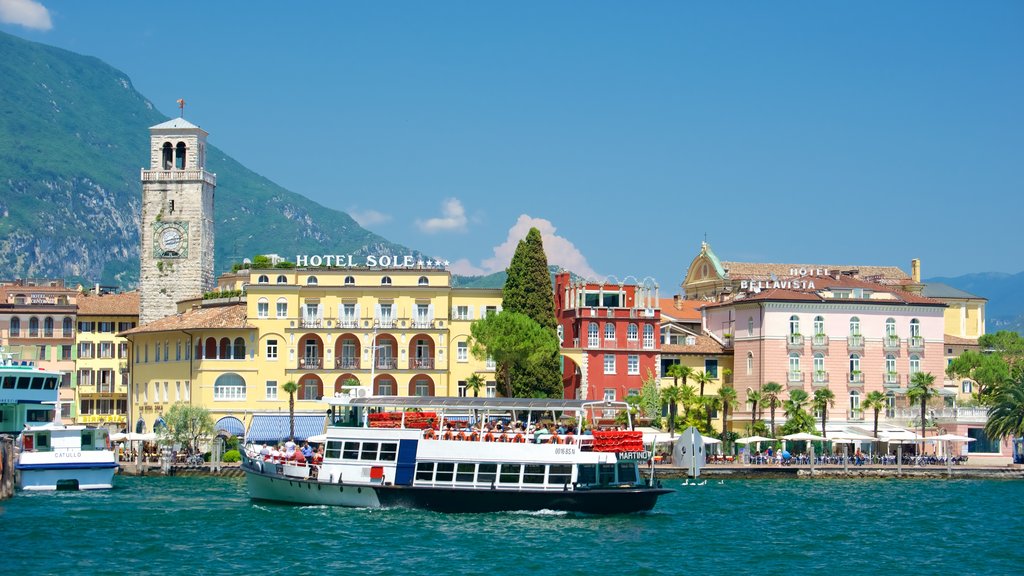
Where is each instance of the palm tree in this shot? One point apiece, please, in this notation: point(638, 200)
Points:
point(796, 403)
point(823, 400)
point(671, 396)
point(755, 397)
point(727, 399)
point(876, 401)
point(770, 393)
point(475, 383)
point(710, 404)
point(920, 390)
point(677, 371)
point(1006, 413)
point(291, 387)
point(703, 378)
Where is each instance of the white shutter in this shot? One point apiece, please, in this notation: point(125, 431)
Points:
point(470, 308)
point(430, 312)
point(319, 311)
point(357, 312)
point(499, 308)
point(376, 312)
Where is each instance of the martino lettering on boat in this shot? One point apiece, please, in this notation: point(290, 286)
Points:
point(465, 455)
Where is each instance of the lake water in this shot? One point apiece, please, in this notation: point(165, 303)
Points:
point(203, 525)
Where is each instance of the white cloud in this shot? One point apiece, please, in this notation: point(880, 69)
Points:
point(559, 250)
point(27, 13)
point(366, 218)
point(453, 218)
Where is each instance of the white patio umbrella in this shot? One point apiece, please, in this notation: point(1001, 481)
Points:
point(944, 438)
point(752, 439)
point(803, 436)
point(845, 438)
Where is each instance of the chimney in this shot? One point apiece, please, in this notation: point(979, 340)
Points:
point(915, 270)
point(677, 301)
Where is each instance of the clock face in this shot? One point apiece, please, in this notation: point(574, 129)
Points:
point(170, 240)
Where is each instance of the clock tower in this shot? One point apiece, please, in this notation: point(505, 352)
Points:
point(176, 254)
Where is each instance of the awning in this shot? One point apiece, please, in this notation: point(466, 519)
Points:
point(231, 425)
point(274, 427)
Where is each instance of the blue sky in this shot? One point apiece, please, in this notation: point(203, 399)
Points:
point(800, 132)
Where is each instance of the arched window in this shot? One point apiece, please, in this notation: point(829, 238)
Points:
point(890, 368)
point(263, 308)
point(854, 326)
point(179, 156)
point(350, 280)
point(819, 325)
point(211, 348)
point(384, 386)
point(794, 363)
point(819, 367)
point(609, 331)
point(854, 367)
point(239, 351)
point(750, 326)
point(915, 364)
point(890, 404)
point(794, 324)
point(915, 328)
point(421, 386)
point(167, 158)
point(15, 327)
point(33, 327)
point(855, 411)
point(224, 352)
point(385, 281)
point(423, 281)
point(890, 326)
point(48, 327)
point(282, 279)
point(632, 333)
point(229, 386)
point(750, 363)
point(648, 336)
point(311, 388)
point(592, 334)
point(282, 307)
point(263, 279)
point(69, 328)
point(311, 281)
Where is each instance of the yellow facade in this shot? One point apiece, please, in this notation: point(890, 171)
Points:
point(401, 331)
point(965, 318)
point(697, 362)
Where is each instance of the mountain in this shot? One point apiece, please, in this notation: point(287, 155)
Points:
point(1005, 309)
point(73, 138)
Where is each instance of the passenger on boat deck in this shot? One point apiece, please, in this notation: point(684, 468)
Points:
point(289, 446)
point(307, 450)
point(298, 457)
point(538, 436)
point(318, 457)
point(275, 454)
point(264, 451)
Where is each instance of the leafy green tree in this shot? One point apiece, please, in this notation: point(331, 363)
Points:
point(514, 340)
point(987, 369)
point(823, 400)
point(528, 287)
point(261, 262)
point(290, 387)
point(795, 410)
point(1006, 414)
point(1007, 344)
point(475, 383)
point(920, 390)
point(671, 396)
point(771, 394)
point(186, 424)
point(650, 402)
point(877, 402)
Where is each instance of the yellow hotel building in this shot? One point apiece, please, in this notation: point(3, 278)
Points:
point(405, 331)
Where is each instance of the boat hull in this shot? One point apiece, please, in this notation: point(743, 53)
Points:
point(275, 488)
point(53, 477)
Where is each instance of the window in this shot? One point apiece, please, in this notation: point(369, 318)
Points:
point(350, 281)
point(890, 364)
point(385, 387)
point(711, 367)
point(560, 331)
point(385, 314)
point(609, 363)
point(854, 326)
point(633, 364)
point(648, 336)
point(592, 334)
point(819, 364)
point(819, 325)
point(462, 388)
point(68, 331)
point(915, 328)
point(490, 310)
point(559, 474)
point(794, 363)
point(967, 387)
point(423, 281)
point(310, 389)
point(462, 352)
point(228, 386)
point(855, 411)
point(533, 474)
point(609, 394)
point(890, 326)
point(794, 324)
point(890, 405)
point(312, 281)
point(491, 390)
point(263, 279)
point(48, 327)
point(263, 308)
point(462, 312)
point(750, 326)
point(282, 307)
point(915, 364)
point(632, 333)
point(272, 349)
point(750, 363)
point(385, 281)
point(33, 327)
point(421, 388)
point(422, 318)
point(609, 331)
point(15, 327)
point(510, 473)
point(282, 279)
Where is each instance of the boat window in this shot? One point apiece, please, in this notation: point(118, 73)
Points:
point(509, 473)
point(487, 473)
point(425, 471)
point(333, 449)
point(444, 471)
point(351, 451)
point(8, 383)
point(23, 382)
point(38, 415)
point(627, 472)
point(369, 451)
point(51, 384)
point(560, 474)
point(388, 451)
point(86, 439)
point(465, 472)
point(587, 474)
point(606, 474)
point(37, 383)
point(533, 474)
point(42, 441)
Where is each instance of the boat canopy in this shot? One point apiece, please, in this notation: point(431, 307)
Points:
point(489, 404)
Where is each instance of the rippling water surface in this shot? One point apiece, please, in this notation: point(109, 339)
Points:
point(209, 526)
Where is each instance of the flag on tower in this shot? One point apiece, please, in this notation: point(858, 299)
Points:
point(181, 105)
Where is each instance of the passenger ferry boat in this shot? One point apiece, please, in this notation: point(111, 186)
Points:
point(439, 454)
point(50, 455)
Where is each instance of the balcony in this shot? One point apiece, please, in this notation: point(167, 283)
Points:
point(795, 377)
point(891, 379)
point(422, 324)
point(820, 377)
point(819, 341)
point(386, 323)
point(856, 377)
point(311, 323)
point(311, 363)
point(795, 342)
point(891, 343)
point(915, 344)
point(178, 175)
point(421, 363)
point(855, 342)
point(348, 323)
point(855, 414)
point(386, 363)
point(347, 363)
point(971, 415)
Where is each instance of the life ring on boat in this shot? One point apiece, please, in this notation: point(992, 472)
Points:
point(554, 439)
point(474, 436)
point(502, 437)
point(429, 434)
point(568, 439)
point(489, 437)
point(447, 435)
point(518, 439)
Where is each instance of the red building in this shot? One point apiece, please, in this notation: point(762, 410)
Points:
point(612, 329)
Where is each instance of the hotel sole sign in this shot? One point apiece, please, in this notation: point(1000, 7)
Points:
point(369, 261)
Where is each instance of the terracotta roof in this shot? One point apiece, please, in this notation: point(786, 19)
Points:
point(687, 310)
point(126, 304)
point(746, 270)
point(231, 316)
point(702, 345)
point(958, 341)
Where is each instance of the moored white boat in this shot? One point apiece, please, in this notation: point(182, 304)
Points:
point(56, 457)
